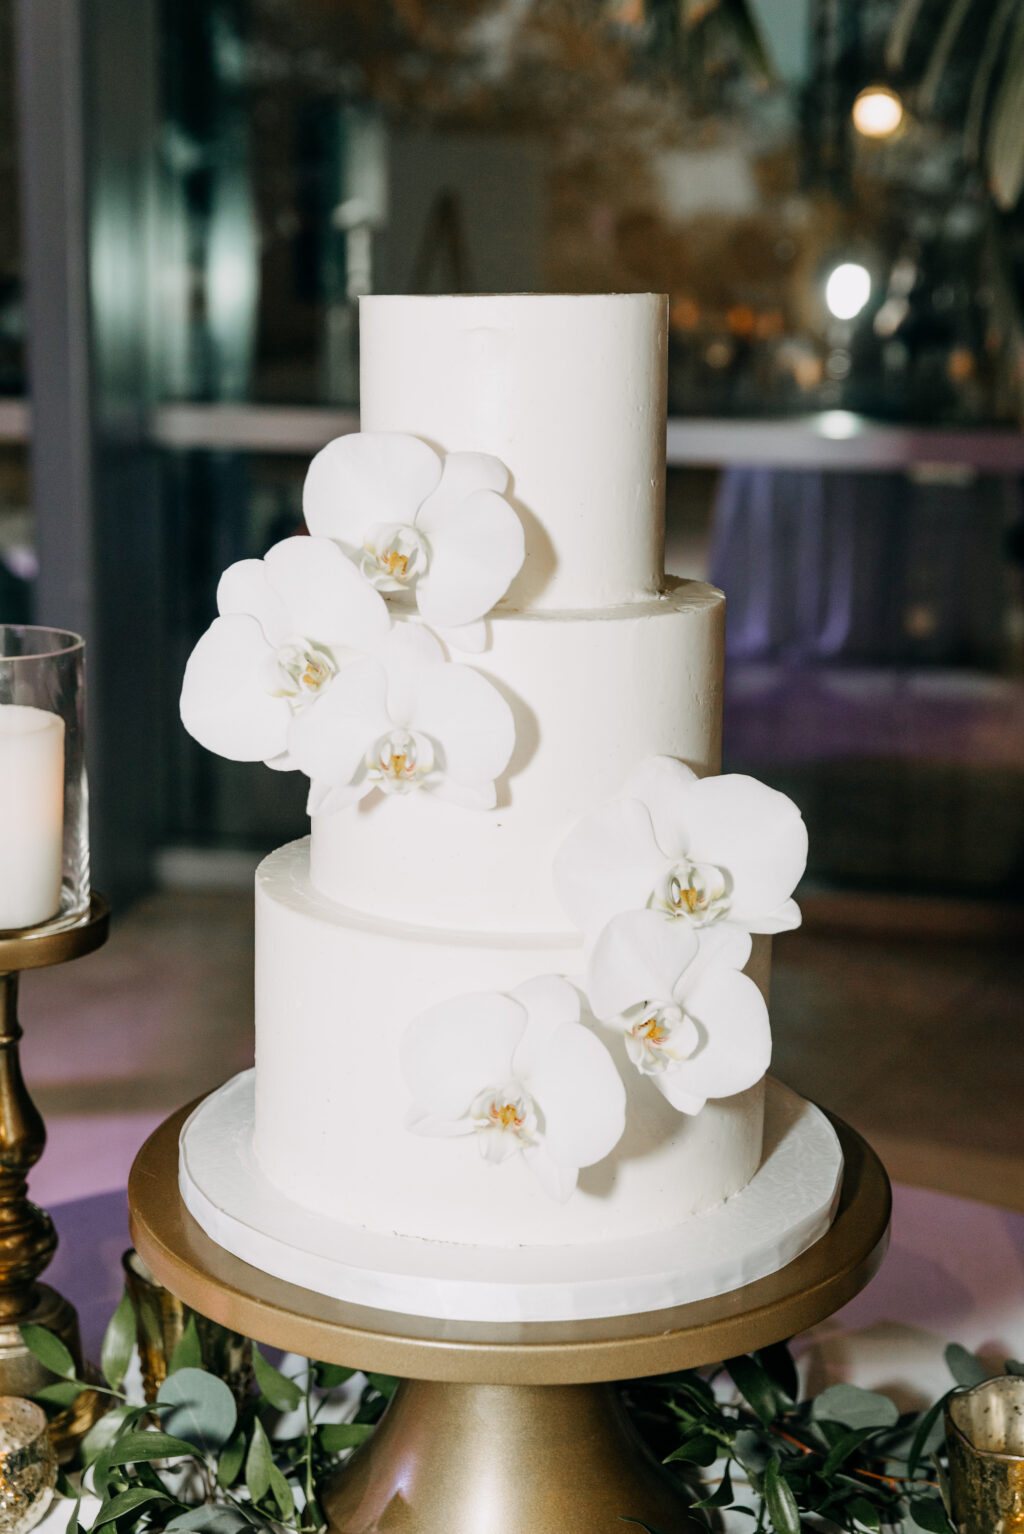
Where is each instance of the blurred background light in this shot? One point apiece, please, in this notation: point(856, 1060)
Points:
point(877, 111)
point(847, 290)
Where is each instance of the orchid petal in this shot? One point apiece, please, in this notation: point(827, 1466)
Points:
point(245, 588)
point(669, 1085)
point(471, 638)
point(329, 798)
point(639, 956)
point(282, 762)
point(658, 783)
point(407, 651)
point(465, 713)
point(431, 1125)
point(367, 478)
point(723, 946)
point(558, 1181)
point(225, 703)
point(454, 1051)
point(462, 475)
point(550, 1001)
point(784, 918)
point(476, 550)
point(609, 862)
point(326, 598)
point(482, 796)
point(751, 830)
point(329, 740)
point(737, 1045)
point(575, 1083)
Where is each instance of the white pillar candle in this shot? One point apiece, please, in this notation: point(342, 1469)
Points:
point(31, 814)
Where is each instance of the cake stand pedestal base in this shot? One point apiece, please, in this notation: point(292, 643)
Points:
point(524, 1457)
point(501, 1425)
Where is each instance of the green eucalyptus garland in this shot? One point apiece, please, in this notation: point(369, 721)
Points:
point(199, 1459)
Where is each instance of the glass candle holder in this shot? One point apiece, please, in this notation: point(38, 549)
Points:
point(28, 1465)
point(985, 1440)
point(44, 800)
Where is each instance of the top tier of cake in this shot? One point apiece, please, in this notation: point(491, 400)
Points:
point(569, 392)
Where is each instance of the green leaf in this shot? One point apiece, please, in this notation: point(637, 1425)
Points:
point(210, 1519)
point(118, 1343)
point(127, 1502)
point(930, 1515)
point(864, 1512)
point(259, 1462)
point(749, 1448)
point(330, 1376)
point(755, 1386)
point(282, 1493)
point(335, 1436)
point(201, 1408)
point(700, 1449)
point(72, 1524)
point(1013, 1367)
point(966, 1368)
point(385, 1383)
point(923, 1442)
point(842, 1449)
point(722, 1497)
point(230, 1461)
point(49, 1350)
point(279, 1390)
point(779, 1500)
point(61, 1393)
point(106, 1430)
point(135, 1448)
point(779, 1364)
point(854, 1407)
point(188, 1352)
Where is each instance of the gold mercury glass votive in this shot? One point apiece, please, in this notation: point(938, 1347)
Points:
point(28, 1465)
point(985, 1441)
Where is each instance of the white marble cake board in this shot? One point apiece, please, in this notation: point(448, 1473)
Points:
point(787, 1206)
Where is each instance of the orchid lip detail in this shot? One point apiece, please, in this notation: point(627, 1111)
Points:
point(698, 893)
point(399, 761)
point(304, 670)
point(394, 556)
point(505, 1120)
point(659, 1036)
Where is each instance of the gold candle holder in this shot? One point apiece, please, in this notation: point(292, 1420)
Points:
point(985, 1441)
point(160, 1322)
point(28, 1465)
point(27, 1237)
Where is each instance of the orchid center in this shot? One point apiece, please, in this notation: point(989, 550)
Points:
point(304, 669)
point(698, 893)
point(394, 556)
point(659, 1035)
point(505, 1119)
point(399, 761)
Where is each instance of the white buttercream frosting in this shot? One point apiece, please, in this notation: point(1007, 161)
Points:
point(568, 391)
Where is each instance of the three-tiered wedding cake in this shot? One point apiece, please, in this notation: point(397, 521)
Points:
point(511, 1023)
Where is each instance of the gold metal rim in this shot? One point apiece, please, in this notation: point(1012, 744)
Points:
point(218, 1285)
point(40, 947)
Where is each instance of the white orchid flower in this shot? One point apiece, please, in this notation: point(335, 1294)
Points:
point(692, 1023)
point(523, 1074)
point(289, 623)
point(404, 718)
point(700, 850)
point(414, 521)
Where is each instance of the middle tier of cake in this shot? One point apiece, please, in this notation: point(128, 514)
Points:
point(594, 694)
point(335, 991)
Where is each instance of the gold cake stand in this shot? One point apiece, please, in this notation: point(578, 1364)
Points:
point(497, 1426)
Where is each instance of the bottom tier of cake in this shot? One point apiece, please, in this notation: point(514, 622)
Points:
point(335, 990)
point(785, 1208)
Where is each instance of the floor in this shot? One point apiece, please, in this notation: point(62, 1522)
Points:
point(903, 1016)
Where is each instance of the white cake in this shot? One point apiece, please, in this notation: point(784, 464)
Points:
point(405, 906)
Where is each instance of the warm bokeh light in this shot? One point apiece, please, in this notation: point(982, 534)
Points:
point(847, 290)
point(877, 112)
